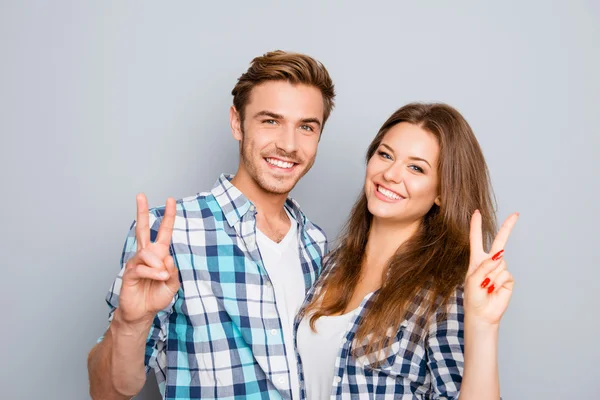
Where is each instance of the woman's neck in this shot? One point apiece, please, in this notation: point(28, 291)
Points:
point(382, 243)
point(384, 240)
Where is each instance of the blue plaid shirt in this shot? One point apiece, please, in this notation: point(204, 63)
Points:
point(418, 364)
point(221, 337)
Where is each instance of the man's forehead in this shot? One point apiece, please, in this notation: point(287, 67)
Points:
point(293, 101)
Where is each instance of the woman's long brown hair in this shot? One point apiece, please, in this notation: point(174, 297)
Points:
point(431, 264)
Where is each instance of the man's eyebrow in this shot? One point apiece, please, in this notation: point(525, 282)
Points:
point(311, 120)
point(270, 114)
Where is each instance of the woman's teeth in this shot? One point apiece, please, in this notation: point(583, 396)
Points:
point(388, 193)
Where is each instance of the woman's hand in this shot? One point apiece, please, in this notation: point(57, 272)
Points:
point(489, 285)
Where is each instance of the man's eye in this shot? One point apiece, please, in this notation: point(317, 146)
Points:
point(307, 128)
point(269, 121)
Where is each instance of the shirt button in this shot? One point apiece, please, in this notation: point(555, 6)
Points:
point(268, 285)
point(337, 379)
point(282, 380)
point(273, 332)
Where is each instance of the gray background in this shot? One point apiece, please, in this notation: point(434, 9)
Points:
point(101, 100)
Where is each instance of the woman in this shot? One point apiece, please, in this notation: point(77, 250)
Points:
point(386, 318)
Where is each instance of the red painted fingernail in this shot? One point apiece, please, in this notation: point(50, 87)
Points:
point(497, 256)
point(491, 289)
point(485, 282)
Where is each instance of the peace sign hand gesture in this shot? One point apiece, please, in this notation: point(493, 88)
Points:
point(489, 285)
point(150, 280)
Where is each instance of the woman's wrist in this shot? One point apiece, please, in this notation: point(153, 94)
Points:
point(480, 325)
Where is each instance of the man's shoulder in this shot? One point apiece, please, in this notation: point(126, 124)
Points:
point(197, 201)
point(200, 207)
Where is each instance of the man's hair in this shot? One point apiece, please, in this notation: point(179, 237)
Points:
point(279, 65)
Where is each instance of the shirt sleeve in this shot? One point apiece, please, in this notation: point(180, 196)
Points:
point(155, 357)
point(445, 349)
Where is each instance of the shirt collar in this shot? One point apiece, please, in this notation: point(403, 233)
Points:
point(235, 205)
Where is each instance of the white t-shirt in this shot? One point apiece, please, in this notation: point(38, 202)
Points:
point(319, 350)
point(282, 262)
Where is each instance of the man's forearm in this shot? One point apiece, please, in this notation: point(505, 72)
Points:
point(116, 365)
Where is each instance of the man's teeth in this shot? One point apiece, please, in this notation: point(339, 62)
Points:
point(388, 193)
point(279, 163)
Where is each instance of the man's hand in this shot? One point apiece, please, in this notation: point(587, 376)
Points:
point(150, 280)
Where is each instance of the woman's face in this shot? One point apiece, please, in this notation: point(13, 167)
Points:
point(402, 181)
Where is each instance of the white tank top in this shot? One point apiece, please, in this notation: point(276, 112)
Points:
point(319, 350)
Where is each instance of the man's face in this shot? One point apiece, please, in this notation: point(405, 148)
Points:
point(280, 134)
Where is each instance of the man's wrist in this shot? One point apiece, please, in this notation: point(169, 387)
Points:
point(122, 328)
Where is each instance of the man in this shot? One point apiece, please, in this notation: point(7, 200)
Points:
point(210, 284)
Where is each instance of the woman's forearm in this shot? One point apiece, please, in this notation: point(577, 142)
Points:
point(480, 376)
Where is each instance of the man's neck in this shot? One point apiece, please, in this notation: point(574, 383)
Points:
point(268, 204)
point(271, 218)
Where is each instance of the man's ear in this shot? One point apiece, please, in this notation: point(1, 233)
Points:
point(236, 123)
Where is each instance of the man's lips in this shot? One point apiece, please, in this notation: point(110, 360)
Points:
point(280, 163)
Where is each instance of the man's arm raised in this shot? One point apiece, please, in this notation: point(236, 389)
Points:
point(150, 281)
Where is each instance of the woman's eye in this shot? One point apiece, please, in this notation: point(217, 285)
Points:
point(416, 168)
point(384, 154)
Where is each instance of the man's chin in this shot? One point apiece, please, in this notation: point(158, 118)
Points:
point(277, 186)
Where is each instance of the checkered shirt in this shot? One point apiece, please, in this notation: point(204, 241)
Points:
point(221, 337)
point(418, 364)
